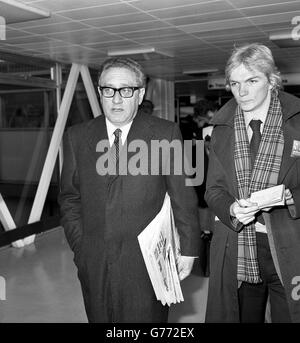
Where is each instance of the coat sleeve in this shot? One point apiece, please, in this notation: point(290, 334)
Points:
point(295, 209)
point(69, 198)
point(217, 195)
point(185, 207)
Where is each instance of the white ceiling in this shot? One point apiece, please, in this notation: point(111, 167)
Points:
point(199, 34)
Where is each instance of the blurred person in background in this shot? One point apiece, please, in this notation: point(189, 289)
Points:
point(147, 107)
point(204, 111)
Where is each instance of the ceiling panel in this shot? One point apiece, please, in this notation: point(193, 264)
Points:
point(30, 1)
point(185, 10)
point(12, 34)
point(66, 5)
point(46, 45)
point(58, 27)
point(28, 39)
point(216, 25)
point(274, 9)
point(53, 19)
point(118, 20)
point(84, 36)
point(159, 4)
point(282, 27)
point(99, 11)
point(195, 19)
point(245, 36)
point(194, 43)
point(179, 37)
point(252, 3)
point(152, 33)
point(149, 25)
point(228, 32)
point(274, 18)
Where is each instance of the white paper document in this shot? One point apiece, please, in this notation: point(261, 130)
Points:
point(269, 197)
point(159, 243)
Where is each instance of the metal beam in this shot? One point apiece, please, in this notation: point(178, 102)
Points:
point(18, 91)
point(49, 164)
point(56, 74)
point(25, 59)
point(30, 82)
point(90, 90)
point(8, 222)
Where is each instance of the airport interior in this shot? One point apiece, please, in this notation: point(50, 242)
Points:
point(50, 56)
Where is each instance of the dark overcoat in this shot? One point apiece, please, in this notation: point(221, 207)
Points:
point(103, 215)
point(222, 305)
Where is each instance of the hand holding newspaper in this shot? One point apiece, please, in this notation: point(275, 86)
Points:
point(159, 243)
point(269, 197)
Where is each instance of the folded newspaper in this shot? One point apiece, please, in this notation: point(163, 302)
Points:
point(269, 197)
point(159, 243)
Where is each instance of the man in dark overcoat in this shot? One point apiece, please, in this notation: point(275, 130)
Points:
point(255, 254)
point(104, 212)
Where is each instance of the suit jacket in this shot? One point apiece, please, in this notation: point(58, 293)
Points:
point(221, 193)
point(103, 215)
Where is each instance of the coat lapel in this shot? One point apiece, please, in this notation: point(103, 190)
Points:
point(287, 160)
point(226, 155)
point(97, 132)
point(225, 119)
point(290, 106)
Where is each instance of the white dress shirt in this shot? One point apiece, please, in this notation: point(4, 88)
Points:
point(111, 128)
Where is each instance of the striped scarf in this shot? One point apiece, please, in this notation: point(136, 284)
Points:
point(264, 175)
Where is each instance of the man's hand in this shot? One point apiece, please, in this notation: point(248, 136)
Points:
point(185, 265)
point(288, 197)
point(244, 210)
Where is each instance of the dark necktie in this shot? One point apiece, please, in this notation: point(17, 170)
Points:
point(256, 137)
point(254, 145)
point(117, 133)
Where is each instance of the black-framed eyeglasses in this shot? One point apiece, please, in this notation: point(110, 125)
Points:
point(125, 92)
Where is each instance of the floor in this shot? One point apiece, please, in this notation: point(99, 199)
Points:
point(38, 284)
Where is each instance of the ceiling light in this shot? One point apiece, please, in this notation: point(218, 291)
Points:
point(200, 71)
point(284, 40)
point(137, 51)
